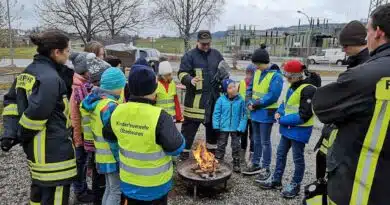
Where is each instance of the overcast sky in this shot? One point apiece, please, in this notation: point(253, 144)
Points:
point(262, 13)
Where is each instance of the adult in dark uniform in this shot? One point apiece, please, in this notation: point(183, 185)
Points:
point(197, 70)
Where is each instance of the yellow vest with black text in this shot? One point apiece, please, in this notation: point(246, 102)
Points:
point(165, 99)
point(142, 161)
point(262, 88)
point(103, 153)
point(292, 105)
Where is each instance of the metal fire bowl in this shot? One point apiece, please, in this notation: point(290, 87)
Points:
point(186, 172)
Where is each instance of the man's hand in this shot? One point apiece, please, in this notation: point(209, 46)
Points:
point(277, 116)
point(195, 80)
point(7, 144)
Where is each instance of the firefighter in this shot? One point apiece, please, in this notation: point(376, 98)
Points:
point(197, 70)
point(36, 113)
point(358, 104)
point(353, 40)
point(147, 138)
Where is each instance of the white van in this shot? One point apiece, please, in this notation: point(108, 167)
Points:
point(329, 56)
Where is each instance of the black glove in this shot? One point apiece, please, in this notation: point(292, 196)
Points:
point(8, 143)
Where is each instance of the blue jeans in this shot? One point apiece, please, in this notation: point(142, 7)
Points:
point(80, 184)
point(112, 194)
point(262, 143)
point(298, 149)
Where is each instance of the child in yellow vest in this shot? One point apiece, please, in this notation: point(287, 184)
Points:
point(166, 96)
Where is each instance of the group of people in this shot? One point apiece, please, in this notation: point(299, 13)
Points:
point(124, 132)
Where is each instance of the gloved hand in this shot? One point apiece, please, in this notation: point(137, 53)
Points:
point(8, 143)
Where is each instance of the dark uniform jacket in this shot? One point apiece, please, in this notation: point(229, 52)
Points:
point(36, 113)
point(349, 104)
point(358, 59)
point(198, 99)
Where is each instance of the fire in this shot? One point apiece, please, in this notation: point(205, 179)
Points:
point(206, 160)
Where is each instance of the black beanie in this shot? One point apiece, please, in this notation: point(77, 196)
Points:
point(260, 56)
point(353, 34)
point(142, 81)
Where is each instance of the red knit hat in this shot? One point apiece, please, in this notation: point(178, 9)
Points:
point(293, 69)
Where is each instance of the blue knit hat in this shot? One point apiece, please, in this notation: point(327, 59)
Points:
point(113, 79)
point(251, 68)
point(226, 83)
point(142, 81)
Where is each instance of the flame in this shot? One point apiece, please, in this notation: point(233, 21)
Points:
point(206, 160)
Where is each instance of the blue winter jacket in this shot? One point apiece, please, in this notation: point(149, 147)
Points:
point(288, 123)
point(230, 115)
point(260, 114)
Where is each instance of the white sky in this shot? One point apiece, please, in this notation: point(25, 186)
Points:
point(263, 13)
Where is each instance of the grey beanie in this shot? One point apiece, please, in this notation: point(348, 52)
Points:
point(79, 61)
point(353, 34)
point(96, 67)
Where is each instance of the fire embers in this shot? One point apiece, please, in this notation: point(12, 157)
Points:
point(207, 166)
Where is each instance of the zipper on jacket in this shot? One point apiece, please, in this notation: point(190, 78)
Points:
point(231, 114)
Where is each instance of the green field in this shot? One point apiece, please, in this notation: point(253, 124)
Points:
point(20, 53)
point(164, 45)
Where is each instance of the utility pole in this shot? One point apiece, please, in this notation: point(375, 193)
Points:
point(310, 33)
point(11, 49)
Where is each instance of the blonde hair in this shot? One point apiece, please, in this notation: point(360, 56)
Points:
point(93, 47)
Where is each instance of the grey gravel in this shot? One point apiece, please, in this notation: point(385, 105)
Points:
point(15, 181)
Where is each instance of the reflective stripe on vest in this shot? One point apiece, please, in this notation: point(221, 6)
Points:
point(259, 90)
point(142, 161)
point(293, 103)
point(195, 112)
point(103, 150)
point(372, 145)
point(86, 124)
point(165, 99)
point(242, 89)
point(317, 200)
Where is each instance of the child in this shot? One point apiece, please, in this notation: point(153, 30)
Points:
point(296, 120)
point(166, 92)
point(229, 118)
point(250, 70)
point(101, 103)
point(81, 88)
point(263, 93)
point(116, 62)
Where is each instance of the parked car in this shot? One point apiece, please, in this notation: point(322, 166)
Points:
point(245, 55)
point(151, 55)
point(329, 56)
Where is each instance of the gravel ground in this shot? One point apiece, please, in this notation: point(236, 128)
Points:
point(15, 181)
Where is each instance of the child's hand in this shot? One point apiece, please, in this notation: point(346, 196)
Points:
point(250, 107)
point(277, 116)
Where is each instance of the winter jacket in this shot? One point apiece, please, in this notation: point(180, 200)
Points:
point(80, 90)
point(230, 114)
point(260, 114)
point(89, 104)
point(36, 112)
point(349, 104)
point(288, 123)
point(199, 99)
point(171, 141)
point(178, 115)
point(358, 59)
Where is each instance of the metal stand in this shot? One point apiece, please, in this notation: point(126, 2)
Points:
point(195, 191)
point(225, 185)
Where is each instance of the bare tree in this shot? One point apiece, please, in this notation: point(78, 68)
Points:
point(122, 15)
point(188, 15)
point(15, 8)
point(81, 15)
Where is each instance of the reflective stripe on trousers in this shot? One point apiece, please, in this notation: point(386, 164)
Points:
point(369, 155)
point(58, 195)
point(143, 156)
point(146, 171)
point(317, 200)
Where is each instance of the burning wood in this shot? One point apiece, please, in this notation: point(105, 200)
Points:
point(207, 165)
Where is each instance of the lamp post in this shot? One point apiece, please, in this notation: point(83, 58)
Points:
point(309, 42)
point(10, 37)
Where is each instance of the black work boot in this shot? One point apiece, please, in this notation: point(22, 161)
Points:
point(236, 165)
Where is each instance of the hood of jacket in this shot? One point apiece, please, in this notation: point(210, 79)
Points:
point(295, 85)
point(92, 100)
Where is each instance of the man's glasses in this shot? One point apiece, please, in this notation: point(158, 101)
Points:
point(205, 44)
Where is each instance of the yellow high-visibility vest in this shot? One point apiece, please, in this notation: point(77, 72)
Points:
point(103, 153)
point(372, 145)
point(242, 89)
point(142, 161)
point(262, 88)
point(292, 105)
point(165, 100)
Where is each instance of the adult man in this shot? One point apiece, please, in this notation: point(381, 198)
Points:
point(358, 104)
point(197, 70)
point(353, 40)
